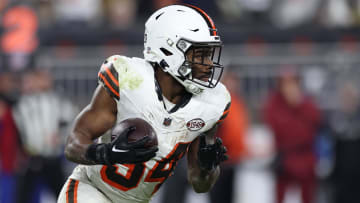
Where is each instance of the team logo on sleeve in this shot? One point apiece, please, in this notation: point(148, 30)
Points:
point(195, 124)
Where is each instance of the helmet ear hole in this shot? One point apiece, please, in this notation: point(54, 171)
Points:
point(166, 52)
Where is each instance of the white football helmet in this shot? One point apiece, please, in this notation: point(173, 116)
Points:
point(172, 31)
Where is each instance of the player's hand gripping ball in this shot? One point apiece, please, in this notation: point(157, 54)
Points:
point(140, 131)
point(133, 141)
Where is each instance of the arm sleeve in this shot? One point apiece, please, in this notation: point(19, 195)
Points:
point(108, 78)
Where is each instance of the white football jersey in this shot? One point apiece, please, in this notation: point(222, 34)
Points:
point(131, 81)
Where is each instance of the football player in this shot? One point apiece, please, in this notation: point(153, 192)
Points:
point(176, 89)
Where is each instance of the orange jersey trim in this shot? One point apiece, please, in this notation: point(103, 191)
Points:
point(71, 191)
point(108, 85)
point(67, 191)
point(225, 112)
point(75, 191)
point(111, 76)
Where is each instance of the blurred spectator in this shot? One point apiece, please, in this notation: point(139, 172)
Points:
point(45, 13)
point(232, 131)
point(41, 116)
point(254, 12)
point(8, 138)
point(292, 13)
point(230, 10)
point(3, 4)
point(121, 14)
point(344, 125)
point(78, 13)
point(336, 13)
point(19, 40)
point(294, 119)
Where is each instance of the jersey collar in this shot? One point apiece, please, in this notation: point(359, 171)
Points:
point(185, 99)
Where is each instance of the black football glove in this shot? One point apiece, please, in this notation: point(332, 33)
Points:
point(210, 156)
point(121, 151)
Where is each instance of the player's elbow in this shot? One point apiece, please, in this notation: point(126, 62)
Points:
point(70, 150)
point(200, 190)
point(199, 186)
point(203, 181)
point(68, 153)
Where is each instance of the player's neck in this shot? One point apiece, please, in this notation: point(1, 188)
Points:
point(171, 89)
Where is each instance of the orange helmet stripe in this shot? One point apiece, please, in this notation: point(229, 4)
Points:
point(207, 18)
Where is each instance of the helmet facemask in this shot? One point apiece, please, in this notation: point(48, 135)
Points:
point(198, 55)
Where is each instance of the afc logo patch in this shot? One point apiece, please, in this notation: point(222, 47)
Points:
point(195, 124)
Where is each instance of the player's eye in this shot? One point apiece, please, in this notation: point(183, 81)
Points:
point(208, 54)
point(203, 52)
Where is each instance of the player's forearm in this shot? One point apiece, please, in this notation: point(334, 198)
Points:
point(76, 149)
point(203, 180)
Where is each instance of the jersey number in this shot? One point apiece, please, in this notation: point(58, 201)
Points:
point(159, 173)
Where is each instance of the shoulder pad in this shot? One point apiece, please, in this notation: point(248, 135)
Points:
point(225, 113)
point(223, 100)
point(220, 98)
point(120, 73)
point(109, 77)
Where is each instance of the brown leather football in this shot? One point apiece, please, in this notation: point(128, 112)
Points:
point(142, 129)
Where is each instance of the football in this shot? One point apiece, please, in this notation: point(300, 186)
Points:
point(143, 129)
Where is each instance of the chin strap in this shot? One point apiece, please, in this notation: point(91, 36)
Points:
point(163, 65)
point(194, 89)
point(189, 86)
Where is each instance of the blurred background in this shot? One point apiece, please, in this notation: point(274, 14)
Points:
point(291, 67)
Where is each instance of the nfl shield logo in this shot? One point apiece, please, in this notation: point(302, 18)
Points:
point(167, 121)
